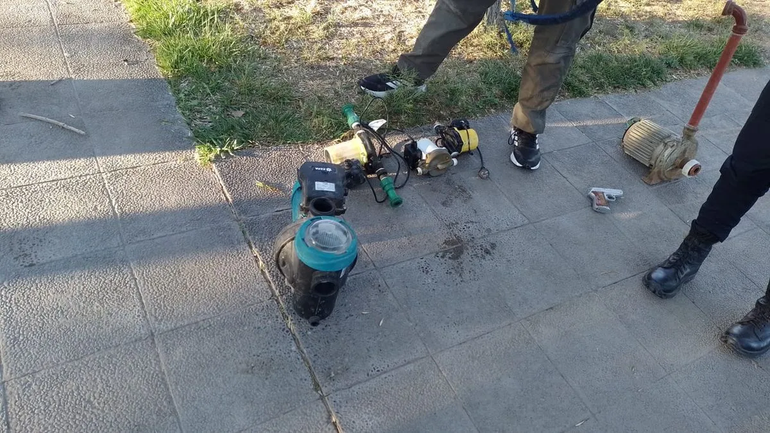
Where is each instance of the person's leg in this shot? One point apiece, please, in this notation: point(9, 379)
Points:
point(548, 62)
point(745, 176)
point(448, 24)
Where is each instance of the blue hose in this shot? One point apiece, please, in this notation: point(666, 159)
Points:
point(545, 20)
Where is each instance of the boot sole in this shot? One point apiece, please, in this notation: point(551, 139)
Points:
point(732, 343)
point(658, 291)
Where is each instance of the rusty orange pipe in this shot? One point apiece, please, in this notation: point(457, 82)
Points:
point(739, 29)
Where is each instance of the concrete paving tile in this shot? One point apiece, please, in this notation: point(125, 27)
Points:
point(656, 231)
point(414, 398)
point(196, 275)
point(504, 379)
point(122, 389)
point(530, 273)
point(748, 83)
point(88, 11)
point(589, 166)
point(453, 295)
point(709, 124)
point(24, 13)
point(749, 252)
point(731, 390)
point(393, 235)
point(539, 194)
point(33, 54)
point(469, 206)
point(246, 363)
point(722, 291)
point(274, 167)
point(674, 331)
point(33, 153)
point(118, 143)
point(68, 309)
point(681, 97)
point(594, 351)
point(588, 425)
point(100, 96)
point(44, 222)
point(740, 116)
point(641, 105)
point(600, 259)
point(57, 101)
point(760, 214)
point(686, 196)
point(311, 418)
point(724, 139)
point(560, 134)
point(106, 51)
point(367, 334)
point(661, 407)
point(593, 117)
point(192, 200)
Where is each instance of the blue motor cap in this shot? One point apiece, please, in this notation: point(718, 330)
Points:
point(326, 243)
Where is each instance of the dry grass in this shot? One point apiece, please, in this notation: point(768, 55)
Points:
point(289, 65)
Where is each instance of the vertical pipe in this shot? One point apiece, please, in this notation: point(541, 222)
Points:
point(739, 29)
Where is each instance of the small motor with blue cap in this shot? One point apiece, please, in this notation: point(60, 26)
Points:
point(317, 251)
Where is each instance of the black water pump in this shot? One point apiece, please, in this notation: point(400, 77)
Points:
point(317, 251)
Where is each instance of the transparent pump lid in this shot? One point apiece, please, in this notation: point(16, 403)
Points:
point(328, 236)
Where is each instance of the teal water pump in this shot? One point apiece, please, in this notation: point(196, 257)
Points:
point(317, 251)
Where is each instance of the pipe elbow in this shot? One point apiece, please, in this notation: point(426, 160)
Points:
point(739, 14)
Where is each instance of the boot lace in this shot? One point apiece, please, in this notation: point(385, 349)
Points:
point(690, 252)
point(759, 316)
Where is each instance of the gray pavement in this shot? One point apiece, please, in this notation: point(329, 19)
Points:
point(137, 291)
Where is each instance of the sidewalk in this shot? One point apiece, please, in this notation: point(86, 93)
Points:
point(132, 296)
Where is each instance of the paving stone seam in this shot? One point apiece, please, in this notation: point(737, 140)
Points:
point(760, 225)
point(250, 428)
point(282, 310)
point(719, 348)
point(746, 234)
point(4, 408)
point(454, 392)
point(46, 182)
point(3, 393)
point(52, 15)
point(76, 360)
point(569, 383)
point(142, 303)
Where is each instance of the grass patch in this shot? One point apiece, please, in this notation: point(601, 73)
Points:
point(263, 72)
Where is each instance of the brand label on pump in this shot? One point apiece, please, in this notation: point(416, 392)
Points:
point(324, 186)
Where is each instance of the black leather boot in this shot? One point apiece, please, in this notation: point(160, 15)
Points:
point(666, 279)
point(750, 336)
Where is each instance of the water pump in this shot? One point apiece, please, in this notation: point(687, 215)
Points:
point(317, 251)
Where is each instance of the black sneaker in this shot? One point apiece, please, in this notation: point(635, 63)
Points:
point(380, 85)
point(526, 151)
point(750, 336)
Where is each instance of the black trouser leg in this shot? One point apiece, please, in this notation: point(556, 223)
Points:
point(745, 175)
